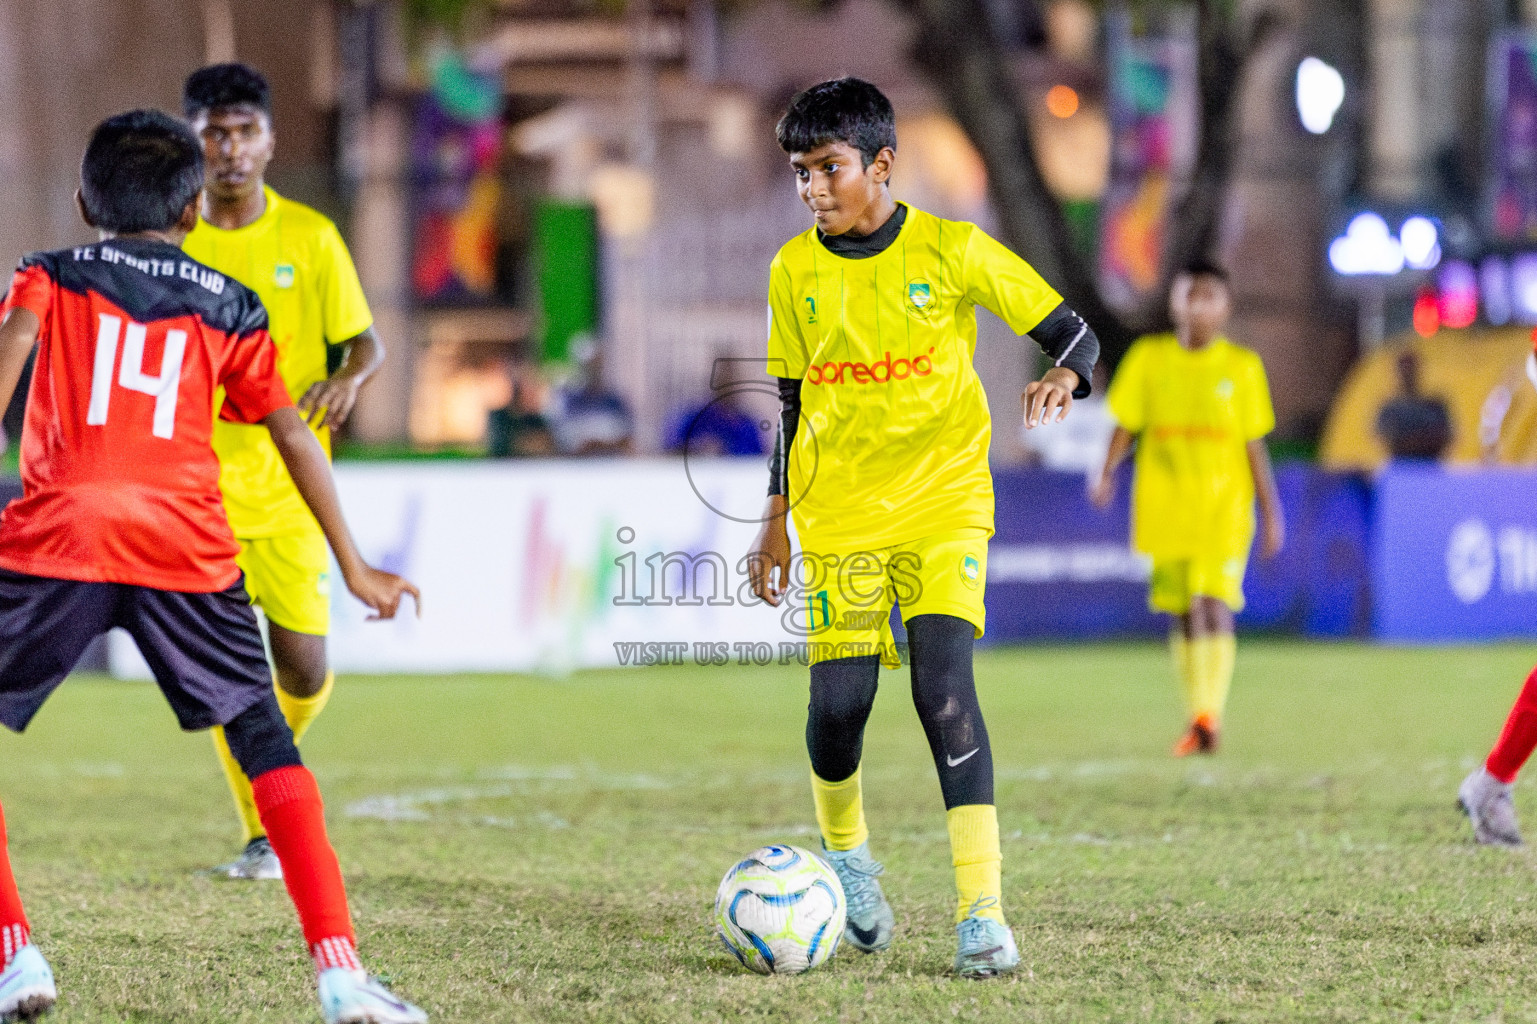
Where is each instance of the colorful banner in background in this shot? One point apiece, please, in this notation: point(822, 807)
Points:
point(553, 566)
point(1153, 124)
point(1512, 203)
point(456, 186)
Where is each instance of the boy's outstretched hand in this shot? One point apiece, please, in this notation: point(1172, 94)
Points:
point(770, 551)
point(1052, 394)
point(382, 591)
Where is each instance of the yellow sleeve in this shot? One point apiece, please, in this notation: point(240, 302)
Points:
point(994, 277)
point(1127, 396)
point(787, 355)
point(345, 313)
point(1257, 415)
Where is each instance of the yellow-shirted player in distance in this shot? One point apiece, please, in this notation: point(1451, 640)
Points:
point(1198, 408)
point(882, 460)
point(294, 258)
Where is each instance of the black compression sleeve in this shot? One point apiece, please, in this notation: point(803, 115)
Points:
point(784, 435)
point(842, 694)
point(1068, 341)
point(260, 739)
point(945, 694)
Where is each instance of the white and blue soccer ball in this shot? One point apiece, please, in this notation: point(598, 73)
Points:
point(780, 910)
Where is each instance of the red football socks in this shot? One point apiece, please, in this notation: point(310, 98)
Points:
point(291, 812)
point(14, 931)
point(1519, 737)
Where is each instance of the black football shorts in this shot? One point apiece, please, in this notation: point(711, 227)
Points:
point(204, 649)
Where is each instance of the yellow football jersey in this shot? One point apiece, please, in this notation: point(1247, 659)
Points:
point(892, 444)
point(295, 259)
point(1194, 413)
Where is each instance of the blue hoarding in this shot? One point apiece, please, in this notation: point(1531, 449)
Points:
point(1059, 568)
point(1454, 554)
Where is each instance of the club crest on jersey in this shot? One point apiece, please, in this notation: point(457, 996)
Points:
point(811, 309)
point(1225, 390)
point(971, 571)
point(283, 276)
point(920, 297)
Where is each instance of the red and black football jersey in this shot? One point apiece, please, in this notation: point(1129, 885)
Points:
point(121, 484)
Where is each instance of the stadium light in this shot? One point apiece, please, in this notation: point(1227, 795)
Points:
point(1421, 243)
point(1062, 101)
point(1523, 287)
point(1320, 94)
point(1366, 247)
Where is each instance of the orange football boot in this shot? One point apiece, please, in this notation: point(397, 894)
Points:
point(1200, 739)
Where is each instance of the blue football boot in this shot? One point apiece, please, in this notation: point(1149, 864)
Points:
point(870, 920)
point(985, 948)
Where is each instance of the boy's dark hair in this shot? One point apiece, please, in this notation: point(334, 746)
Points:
point(847, 110)
point(1203, 267)
point(140, 171)
point(225, 85)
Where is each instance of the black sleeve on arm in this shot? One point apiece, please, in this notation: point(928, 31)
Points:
point(1069, 342)
point(784, 436)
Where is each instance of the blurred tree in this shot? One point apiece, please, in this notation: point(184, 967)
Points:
point(965, 48)
point(962, 55)
point(457, 18)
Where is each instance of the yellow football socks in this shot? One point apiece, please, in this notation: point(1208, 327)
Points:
point(1212, 659)
point(978, 861)
point(840, 812)
point(299, 713)
point(1179, 651)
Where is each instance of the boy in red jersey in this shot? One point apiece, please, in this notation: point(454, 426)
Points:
point(121, 521)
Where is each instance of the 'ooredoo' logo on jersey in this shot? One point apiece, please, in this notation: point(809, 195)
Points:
point(871, 373)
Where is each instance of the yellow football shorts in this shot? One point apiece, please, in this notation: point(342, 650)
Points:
point(1176, 581)
point(289, 578)
point(848, 596)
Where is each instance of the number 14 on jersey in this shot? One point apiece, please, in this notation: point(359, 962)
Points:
point(162, 387)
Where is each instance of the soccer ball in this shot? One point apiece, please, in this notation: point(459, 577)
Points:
point(780, 910)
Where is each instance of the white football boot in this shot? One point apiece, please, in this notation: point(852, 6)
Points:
point(256, 862)
point(26, 987)
point(352, 997)
point(1486, 801)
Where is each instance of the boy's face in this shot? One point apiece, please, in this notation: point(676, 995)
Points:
point(237, 146)
point(835, 183)
point(1199, 304)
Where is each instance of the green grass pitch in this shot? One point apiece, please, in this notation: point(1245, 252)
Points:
point(523, 849)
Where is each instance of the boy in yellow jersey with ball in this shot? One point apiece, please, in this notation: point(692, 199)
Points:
point(296, 261)
point(882, 460)
point(1198, 407)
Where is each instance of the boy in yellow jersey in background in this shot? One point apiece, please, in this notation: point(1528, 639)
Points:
point(1198, 407)
point(294, 258)
point(882, 459)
